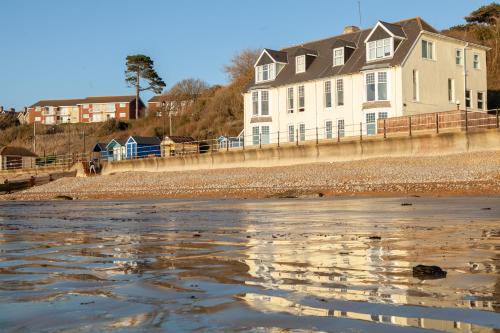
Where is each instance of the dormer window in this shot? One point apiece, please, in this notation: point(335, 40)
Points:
point(265, 72)
point(338, 56)
point(379, 49)
point(300, 64)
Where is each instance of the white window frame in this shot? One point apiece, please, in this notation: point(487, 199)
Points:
point(122, 105)
point(476, 62)
point(339, 83)
point(263, 93)
point(459, 57)
point(290, 100)
point(480, 100)
point(269, 68)
point(85, 116)
point(291, 134)
point(338, 56)
point(380, 44)
point(377, 83)
point(255, 136)
point(123, 115)
point(450, 88)
point(429, 55)
point(328, 134)
point(327, 91)
point(255, 103)
point(301, 94)
point(302, 132)
point(38, 118)
point(300, 64)
point(340, 130)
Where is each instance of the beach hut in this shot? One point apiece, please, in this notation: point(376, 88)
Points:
point(142, 146)
point(233, 142)
point(116, 149)
point(100, 152)
point(16, 158)
point(178, 145)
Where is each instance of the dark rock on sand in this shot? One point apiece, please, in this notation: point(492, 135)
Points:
point(423, 272)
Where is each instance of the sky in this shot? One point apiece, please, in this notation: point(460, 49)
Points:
point(56, 49)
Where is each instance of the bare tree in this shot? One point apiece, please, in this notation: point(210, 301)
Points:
point(241, 65)
point(188, 89)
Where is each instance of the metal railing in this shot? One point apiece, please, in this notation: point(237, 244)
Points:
point(382, 128)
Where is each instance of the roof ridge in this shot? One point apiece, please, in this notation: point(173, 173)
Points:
point(416, 18)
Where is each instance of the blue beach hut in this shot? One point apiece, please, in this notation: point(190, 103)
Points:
point(142, 146)
point(116, 149)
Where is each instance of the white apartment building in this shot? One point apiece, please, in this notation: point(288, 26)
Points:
point(343, 84)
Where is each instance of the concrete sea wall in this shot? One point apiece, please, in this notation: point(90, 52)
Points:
point(349, 149)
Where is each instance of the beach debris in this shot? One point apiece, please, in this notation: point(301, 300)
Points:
point(406, 204)
point(63, 197)
point(486, 208)
point(375, 237)
point(196, 235)
point(424, 272)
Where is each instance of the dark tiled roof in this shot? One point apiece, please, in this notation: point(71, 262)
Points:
point(17, 151)
point(396, 29)
point(146, 140)
point(108, 99)
point(279, 56)
point(87, 100)
point(57, 102)
point(100, 146)
point(181, 139)
point(322, 66)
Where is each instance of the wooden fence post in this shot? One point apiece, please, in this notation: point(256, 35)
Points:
point(338, 132)
point(297, 136)
point(497, 119)
point(260, 140)
point(361, 131)
point(316, 135)
point(409, 125)
point(437, 123)
point(385, 130)
point(278, 139)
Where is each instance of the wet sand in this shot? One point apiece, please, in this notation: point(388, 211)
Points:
point(294, 265)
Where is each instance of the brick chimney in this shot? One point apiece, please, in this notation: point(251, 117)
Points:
point(350, 28)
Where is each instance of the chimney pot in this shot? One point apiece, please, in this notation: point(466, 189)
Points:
point(350, 28)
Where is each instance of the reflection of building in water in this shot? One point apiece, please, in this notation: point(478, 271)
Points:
point(278, 304)
point(347, 268)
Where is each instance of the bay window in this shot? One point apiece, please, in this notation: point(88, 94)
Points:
point(255, 135)
point(302, 132)
point(260, 103)
point(376, 86)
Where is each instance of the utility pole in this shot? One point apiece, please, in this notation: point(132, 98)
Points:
point(34, 136)
point(465, 85)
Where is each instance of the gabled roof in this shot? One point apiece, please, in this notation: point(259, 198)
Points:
point(275, 56)
point(145, 140)
point(180, 139)
point(115, 142)
point(322, 66)
point(17, 151)
point(100, 146)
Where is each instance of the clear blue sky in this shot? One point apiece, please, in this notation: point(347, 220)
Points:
point(55, 49)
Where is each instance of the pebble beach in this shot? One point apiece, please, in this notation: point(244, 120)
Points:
point(460, 174)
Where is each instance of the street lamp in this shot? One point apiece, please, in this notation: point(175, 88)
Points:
point(163, 106)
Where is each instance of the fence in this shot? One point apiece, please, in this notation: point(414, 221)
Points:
point(383, 128)
point(53, 160)
point(388, 127)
